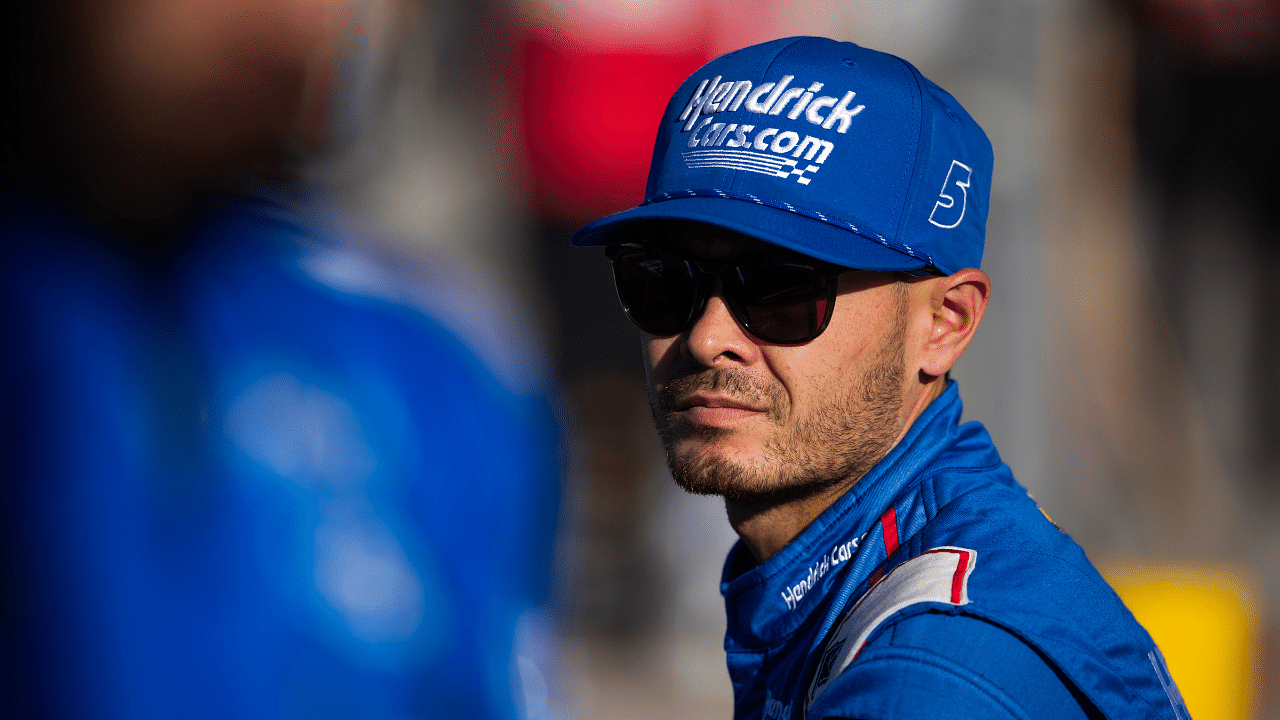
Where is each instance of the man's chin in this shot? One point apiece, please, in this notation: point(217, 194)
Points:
point(713, 471)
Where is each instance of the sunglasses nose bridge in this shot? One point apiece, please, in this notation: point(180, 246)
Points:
point(715, 333)
point(711, 284)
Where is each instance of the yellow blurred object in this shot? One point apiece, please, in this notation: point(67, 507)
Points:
point(1205, 621)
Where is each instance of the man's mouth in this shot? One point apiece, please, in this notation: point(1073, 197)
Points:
point(717, 398)
point(714, 410)
point(713, 401)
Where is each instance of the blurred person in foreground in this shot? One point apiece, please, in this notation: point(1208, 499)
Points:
point(241, 473)
point(805, 272)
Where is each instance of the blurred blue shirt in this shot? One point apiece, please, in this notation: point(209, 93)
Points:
point(239, 481)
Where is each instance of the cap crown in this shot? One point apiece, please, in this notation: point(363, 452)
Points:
point(829, 148)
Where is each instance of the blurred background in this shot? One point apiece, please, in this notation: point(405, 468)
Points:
point(1123, 368)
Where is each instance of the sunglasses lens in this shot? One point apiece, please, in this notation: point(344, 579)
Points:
point(778, 299)
point(658, 290)
point(781, 301)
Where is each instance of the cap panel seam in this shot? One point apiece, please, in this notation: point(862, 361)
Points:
point(762, 74)
point(918, 102)
point(794, 40)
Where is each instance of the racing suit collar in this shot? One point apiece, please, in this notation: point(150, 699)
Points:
point(770, 601)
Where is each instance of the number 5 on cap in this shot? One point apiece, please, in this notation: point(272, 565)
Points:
point(945, 209)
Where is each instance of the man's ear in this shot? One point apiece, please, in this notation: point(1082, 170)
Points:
point(957, 302)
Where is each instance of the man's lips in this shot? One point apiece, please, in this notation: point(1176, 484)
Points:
point(714, 401)
point(716, 410)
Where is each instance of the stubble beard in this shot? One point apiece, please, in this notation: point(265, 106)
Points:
point(837, 442)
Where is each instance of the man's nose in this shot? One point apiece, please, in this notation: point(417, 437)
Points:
point(717, 338)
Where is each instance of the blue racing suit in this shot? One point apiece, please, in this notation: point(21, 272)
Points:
point(936, 588)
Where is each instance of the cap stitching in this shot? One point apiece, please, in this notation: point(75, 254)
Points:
point(813, 214)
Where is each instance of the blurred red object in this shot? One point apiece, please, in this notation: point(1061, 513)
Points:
point(590, 101)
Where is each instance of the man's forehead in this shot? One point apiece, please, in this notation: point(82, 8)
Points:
point(706, 241)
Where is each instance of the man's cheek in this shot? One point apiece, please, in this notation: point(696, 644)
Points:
point(660, 354)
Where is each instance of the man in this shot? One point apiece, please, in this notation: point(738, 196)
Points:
point(805, 271)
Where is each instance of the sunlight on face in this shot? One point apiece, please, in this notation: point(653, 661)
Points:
point(746, 419)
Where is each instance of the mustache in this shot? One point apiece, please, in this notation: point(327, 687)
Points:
point(733, 383)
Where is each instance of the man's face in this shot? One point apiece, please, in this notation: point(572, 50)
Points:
point(751, 420)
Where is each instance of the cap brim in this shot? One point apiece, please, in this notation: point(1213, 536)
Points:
point(805, 235)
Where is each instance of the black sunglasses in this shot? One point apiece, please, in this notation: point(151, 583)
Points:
point(781, 298)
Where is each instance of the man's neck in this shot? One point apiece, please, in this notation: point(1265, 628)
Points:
point(767, 526)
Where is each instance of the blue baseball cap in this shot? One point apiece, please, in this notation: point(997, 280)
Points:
point(833, 150)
